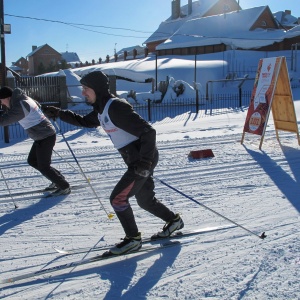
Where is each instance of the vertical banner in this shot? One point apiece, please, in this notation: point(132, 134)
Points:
point(262, 95)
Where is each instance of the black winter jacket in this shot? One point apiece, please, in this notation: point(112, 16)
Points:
point(27, 112)
point(123, 116)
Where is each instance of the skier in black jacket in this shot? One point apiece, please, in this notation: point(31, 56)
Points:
point(135, 139)
point(26, 111)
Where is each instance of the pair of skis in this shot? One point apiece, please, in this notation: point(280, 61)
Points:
point(177, 239)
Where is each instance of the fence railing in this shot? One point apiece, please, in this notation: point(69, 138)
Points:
point(48, 89)
point(154, 111)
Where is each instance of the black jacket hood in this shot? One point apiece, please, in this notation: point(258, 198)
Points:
point(99, 82)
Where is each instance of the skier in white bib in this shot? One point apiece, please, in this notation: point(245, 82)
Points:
point(21, 108)
point(135, 139)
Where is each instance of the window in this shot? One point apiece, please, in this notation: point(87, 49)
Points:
point(226, 8)
point(263, 23)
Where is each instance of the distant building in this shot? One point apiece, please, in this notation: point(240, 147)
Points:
point(20, 66)
point(129, 53)
point(41, 59)
point(209, 26)
point(71, 58)
point(286, 20)
point(180, 15)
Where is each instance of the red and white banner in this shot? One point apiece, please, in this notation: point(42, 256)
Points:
point(262, 95)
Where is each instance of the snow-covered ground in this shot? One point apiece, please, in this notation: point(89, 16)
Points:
point(258, 189)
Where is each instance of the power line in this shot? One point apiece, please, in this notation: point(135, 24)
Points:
point(163, 34)
point(76, 25)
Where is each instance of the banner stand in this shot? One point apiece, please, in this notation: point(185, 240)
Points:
point(272, 91)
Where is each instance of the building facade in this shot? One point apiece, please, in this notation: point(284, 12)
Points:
point(41, 58)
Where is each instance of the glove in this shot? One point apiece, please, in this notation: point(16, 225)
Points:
point(142, 168)
point(51, 111)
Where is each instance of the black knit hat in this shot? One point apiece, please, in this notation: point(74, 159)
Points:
point(97, 81)
point(5, 92)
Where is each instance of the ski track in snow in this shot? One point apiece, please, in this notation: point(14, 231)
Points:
point(257, 189)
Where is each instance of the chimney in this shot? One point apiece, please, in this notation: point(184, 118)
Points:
point(34, 47)
point(190, 6)
point(288, 12)
point(175, 9)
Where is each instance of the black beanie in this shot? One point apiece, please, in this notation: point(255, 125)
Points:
point(5, 92)
point(97, 81)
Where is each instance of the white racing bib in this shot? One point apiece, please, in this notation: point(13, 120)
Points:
point(118, 136)
point(32, 117)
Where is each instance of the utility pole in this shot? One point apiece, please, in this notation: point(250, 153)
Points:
point(3, 65)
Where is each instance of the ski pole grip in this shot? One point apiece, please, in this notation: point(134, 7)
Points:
point(263, 236)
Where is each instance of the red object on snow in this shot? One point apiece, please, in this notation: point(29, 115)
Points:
point(201, 153)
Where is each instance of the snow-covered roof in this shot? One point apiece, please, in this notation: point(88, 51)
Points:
point(15, 68)
point(168, 27)
point(199, 8)
point(230, 29)
point(36, 50)
point(130, 49)
point(70, 57)
point(39, 48)
point(165, 30)
point(285, 19)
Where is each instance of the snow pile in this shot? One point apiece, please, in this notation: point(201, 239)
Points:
point(73, 85)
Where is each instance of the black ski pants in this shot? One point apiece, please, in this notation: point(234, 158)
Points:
point(142, 188)
point(39, 158)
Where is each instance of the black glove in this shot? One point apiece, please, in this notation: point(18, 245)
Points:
point(51, 111)
point(142, 168)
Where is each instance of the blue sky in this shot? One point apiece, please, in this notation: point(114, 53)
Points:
point(135, 20)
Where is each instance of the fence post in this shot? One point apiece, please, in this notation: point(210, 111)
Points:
point(149, 110)
point(153, 85)
point(63, 91)
point(240, 96)
point(197, 100)
point(112, 84)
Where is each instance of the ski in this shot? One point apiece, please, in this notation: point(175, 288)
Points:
point(146, 248)
point(38, 191)
point(178, 234)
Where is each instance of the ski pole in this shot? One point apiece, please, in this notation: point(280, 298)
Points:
point(65, 160)
point(109, 215)
point(16, 206)
point(262, 236)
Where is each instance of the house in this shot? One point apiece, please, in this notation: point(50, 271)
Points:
point(20, 66)
point(42, 59)
point(128, 53)
point(180, 15)
point(254, 28)
point(71, 58)
point(286, 20)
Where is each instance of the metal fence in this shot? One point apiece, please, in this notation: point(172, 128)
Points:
point(155, 111)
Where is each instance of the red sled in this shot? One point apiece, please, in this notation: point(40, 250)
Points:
point(201, 153)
